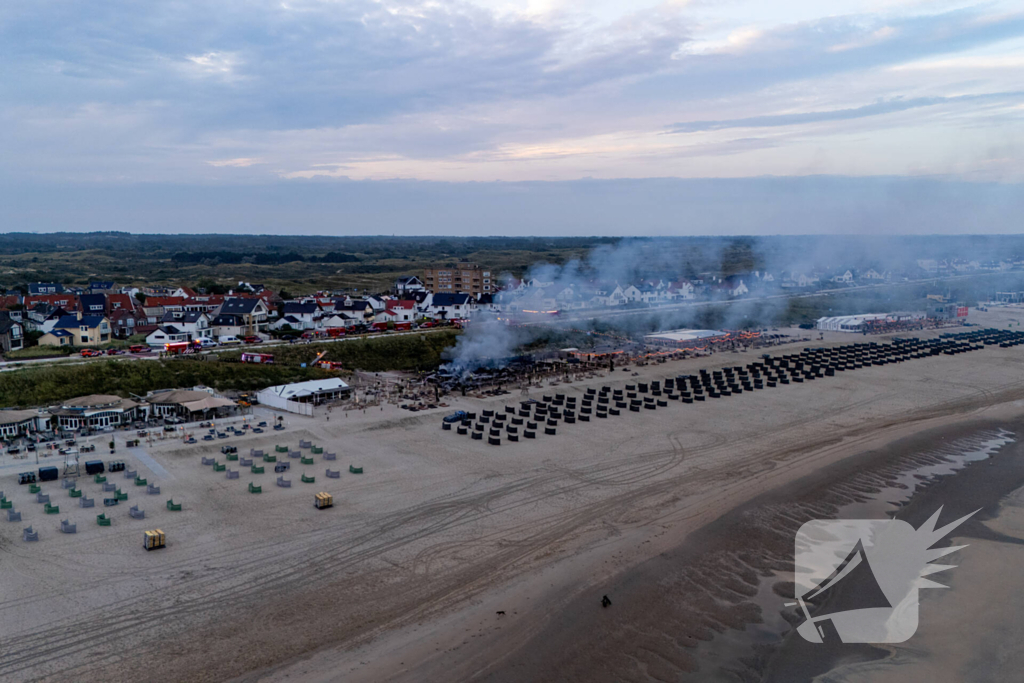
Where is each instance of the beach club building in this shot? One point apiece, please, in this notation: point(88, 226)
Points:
point(97, 411)
point(14, 423)
point(188, 403)
point(313, 392)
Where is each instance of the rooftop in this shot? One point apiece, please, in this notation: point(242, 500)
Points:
point(683, 335)
point(314, 386)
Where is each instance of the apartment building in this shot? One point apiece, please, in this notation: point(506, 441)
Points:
point(459, 278)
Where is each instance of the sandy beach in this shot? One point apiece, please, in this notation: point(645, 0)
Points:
point(404, 578)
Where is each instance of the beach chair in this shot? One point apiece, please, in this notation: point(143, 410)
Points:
point(172, 506)
point(28, 535)
point(84, 502)
point(355, 470)
point(232, 474)
point(333, 474)
point(254, 488)
point(152, 489)
point(136, 513)
point(308, 480)
point(102, 519)
point(284, 483)
point(13, 516)
point(306, 461)
point(67, 527)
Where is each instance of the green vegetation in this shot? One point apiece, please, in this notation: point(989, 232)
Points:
point(300, 265)
point(40, 386)
point(50, 384)
point(420, 351)
point(40, 352)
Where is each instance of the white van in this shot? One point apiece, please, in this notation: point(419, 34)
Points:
point(207, 342)
point(229, 341)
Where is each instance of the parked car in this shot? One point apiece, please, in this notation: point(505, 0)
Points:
point(89, 353)
point(207, 343)
point(115, 352)
point(31, 447)
point(228, 340)
point(14, 450)
point(252, 339)
point(287, 337)
point(139, 348)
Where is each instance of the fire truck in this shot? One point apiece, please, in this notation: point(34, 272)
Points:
point(176, 348)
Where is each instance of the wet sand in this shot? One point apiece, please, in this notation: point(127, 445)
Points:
point(701, 611)
point(968, 632)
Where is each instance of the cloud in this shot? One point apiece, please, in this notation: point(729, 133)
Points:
point(260, 91)
point(241, 162)
point(874, 109)
point(875, 37)
point(214, 63)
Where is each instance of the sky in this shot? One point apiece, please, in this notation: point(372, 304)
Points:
point(501, 116)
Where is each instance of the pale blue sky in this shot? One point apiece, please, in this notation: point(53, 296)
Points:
point(121, 94)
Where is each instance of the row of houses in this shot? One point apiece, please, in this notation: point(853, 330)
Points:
point(321, 312)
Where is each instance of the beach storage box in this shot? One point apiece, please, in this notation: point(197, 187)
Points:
point(48, 474)
point(324, 500)
point(94, 467)
point(154, 539)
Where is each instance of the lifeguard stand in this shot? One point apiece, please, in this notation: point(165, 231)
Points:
point(71, 463)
